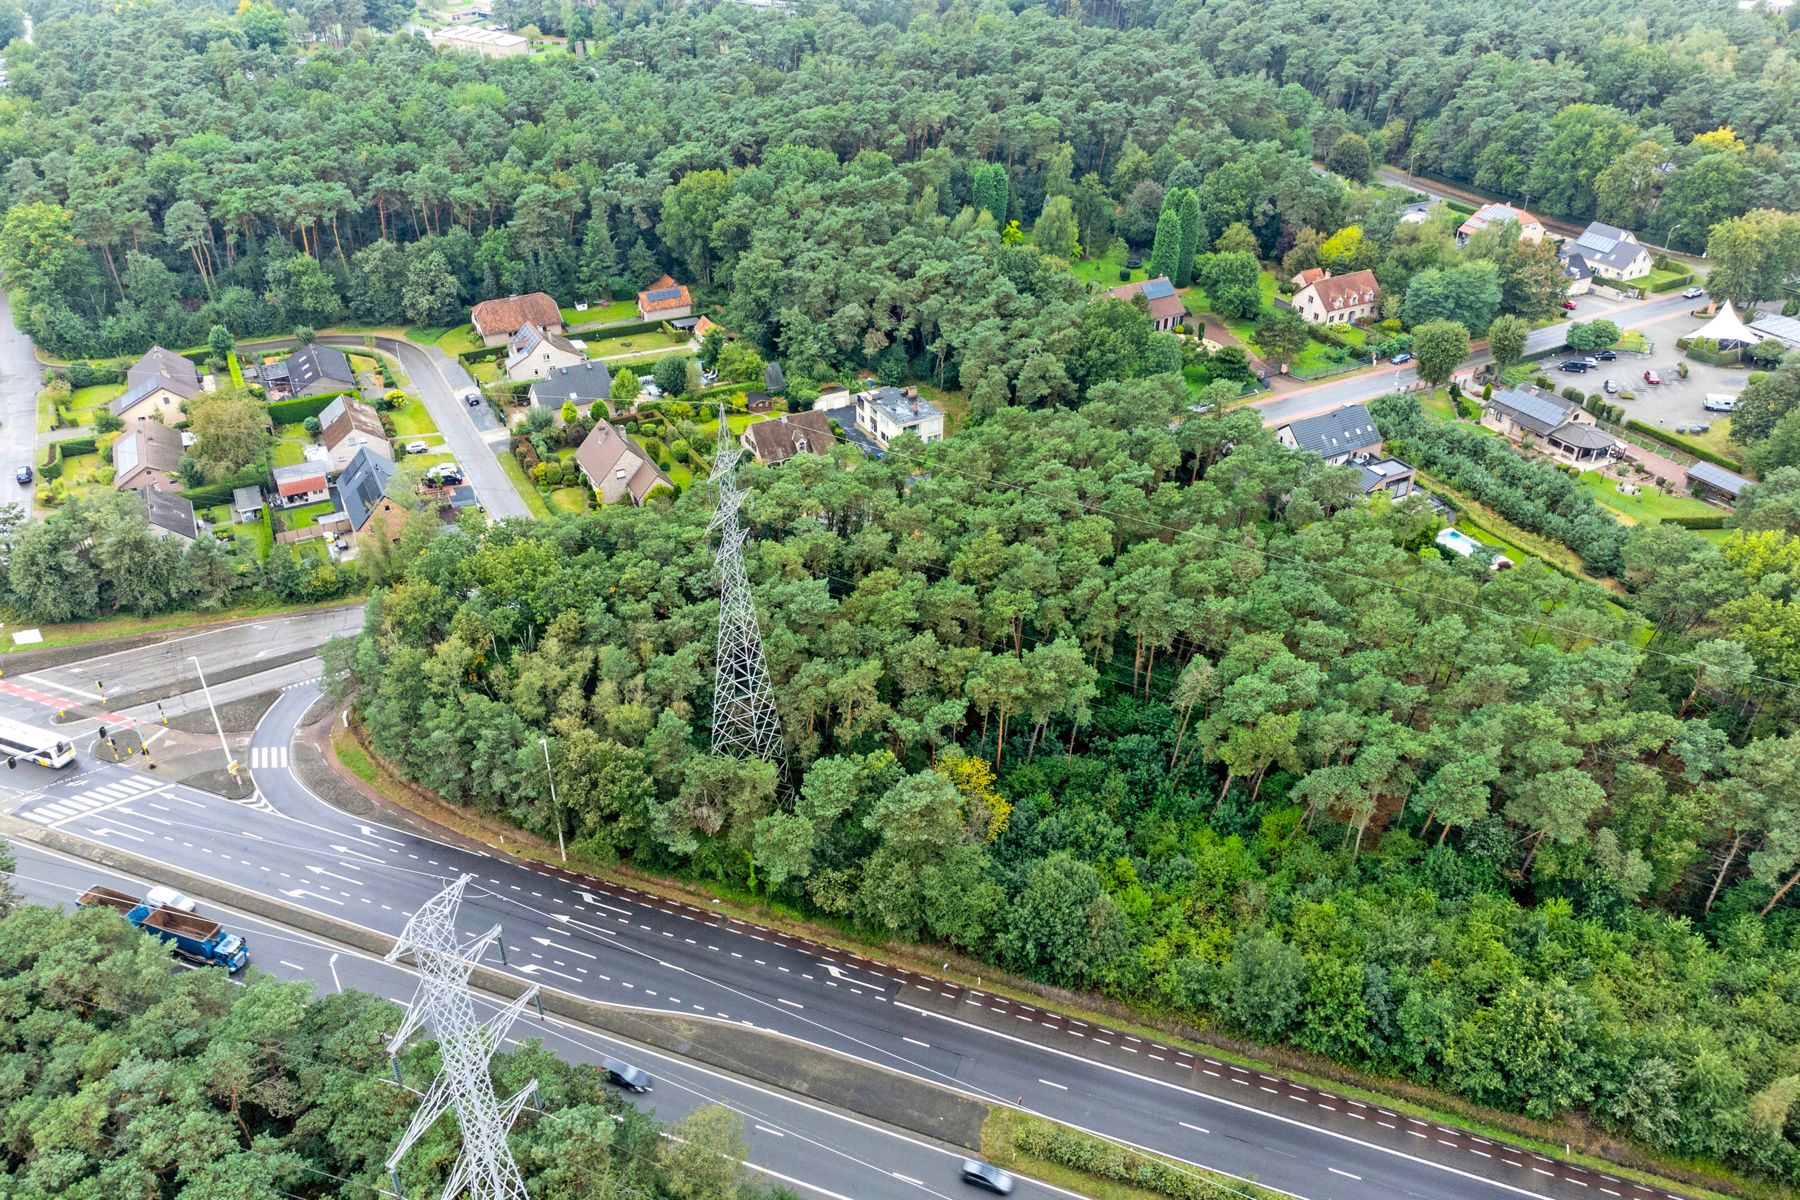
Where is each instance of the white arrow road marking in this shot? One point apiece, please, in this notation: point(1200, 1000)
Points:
point(370, 833)
point(589, 898)
point(534, 969)
point(572, 923)
point(544, 941)
point(332, 963)
point(299, 892)
point(333, 874)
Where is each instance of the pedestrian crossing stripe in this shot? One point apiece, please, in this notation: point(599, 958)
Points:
point(268, 758)
point(94, 800)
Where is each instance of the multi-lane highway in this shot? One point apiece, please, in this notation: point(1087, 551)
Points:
point(611, 944)
point(804, 1144)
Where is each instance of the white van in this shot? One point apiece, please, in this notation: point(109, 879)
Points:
point(1719, 402)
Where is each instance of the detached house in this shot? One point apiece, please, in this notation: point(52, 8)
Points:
point(772, 443)
point(884, 413)
point(1567, 429)
point(582, 384)
point(1166, 306)
point(533, 353)
point(363, 498)
point(1336, 436)
point(169, 515)
point(301, 483)
point(348, 426)
point(1339, 299)
point(1606, 252)
point(617, 468)
point(158, 383)
point(147, 457)
point(496, 321)
point(316, 370)
point(665, 300)
point(1530, 228)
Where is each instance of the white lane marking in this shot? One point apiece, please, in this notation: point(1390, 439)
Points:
point(1195, 1128)
point(917, 1042)
point(789, 1003)
point(766, 1129)
point(1061, 1087)
point(1345, 1174)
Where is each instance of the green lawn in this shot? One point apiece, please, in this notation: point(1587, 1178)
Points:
point(306, 514)
point(483, 372)
point(682, 476)
point(1634, 341)
point(526, 489)
point(618, 310)
point(458, 341)
point(289, 452)
point(83, 470)
point(1102, 270)
point(635, 343)
point(95, 396)
point(1656, 276)
point(1718, 440)
point(1651, 504)
point(411, 420)
point(571, 499)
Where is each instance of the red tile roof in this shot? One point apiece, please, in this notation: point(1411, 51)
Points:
point(1337, 292)
point(652, 300)
point(495, 318)
point(1161, 307)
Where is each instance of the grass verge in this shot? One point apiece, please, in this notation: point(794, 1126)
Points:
point(1098, 1168)
point(526, 489)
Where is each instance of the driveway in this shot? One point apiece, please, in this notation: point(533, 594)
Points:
point(21, 378)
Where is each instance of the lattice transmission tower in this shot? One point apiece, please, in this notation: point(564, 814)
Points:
point(744, 718)
point(485, 1170)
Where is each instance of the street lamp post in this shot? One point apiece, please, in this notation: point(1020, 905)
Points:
point(554, 806)
point(230, 762)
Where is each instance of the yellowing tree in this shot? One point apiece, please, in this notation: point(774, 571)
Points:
point(1342, 249)
point(1722, 138)
point(985, 810)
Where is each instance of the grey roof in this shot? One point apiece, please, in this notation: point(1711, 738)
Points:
point(773, 379)
point(526, 341)
point(311, 365)
point(1785, 329)
point(1380, 472)
point(1607, 245)
point(1576, 267)
point(137, 391)
point(583, 382)
point(151, 445)
point(362, 485)
point(1336, 432)
point(1158, 289)
point(902, 409)
point(175, 372)
point(1729, 482)
point(247, 497)
point(1532, 409)
point(1583, 437)
point(166, 510)
point(299, 470)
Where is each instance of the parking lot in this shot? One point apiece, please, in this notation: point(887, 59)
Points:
point(1675, 401)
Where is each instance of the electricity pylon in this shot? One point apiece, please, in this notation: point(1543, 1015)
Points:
point(744, 717)
point(485, 1170)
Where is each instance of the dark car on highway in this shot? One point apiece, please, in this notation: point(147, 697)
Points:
point(987, 1176)
point(623, 1074)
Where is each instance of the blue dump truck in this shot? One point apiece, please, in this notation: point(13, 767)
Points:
point(194, 938)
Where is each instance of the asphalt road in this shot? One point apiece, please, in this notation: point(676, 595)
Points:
point(21, 378)
point(441, 384)
point(799, 1142)
point(221, 651)
point(613, 944)
point(1355, 389)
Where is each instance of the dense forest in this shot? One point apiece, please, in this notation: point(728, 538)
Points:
point(120, 1077)
point(1171, 713)
point(167, 167)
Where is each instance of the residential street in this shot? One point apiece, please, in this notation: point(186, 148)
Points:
point(21, 378)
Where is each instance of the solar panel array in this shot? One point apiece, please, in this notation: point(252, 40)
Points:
point(664, 294)
point(1158, 289)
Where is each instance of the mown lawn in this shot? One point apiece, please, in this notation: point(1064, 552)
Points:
point(618, 310)
point(1718, 439)
point(1657, 275)
point(1102, 270)
point(1650, 504)
point(457, 341)
point(94, 396)
point(306, 514)
point(411, 420)
point(635, 343)
point(526, 489)
point(289, 452)
point(571, 499)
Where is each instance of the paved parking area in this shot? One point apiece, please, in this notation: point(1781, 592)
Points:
point(1676, 401)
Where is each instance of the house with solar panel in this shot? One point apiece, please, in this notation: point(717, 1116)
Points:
point(1604, 252)
point(1560, 427)
point(1166, 307)
point(665, 300)
point(1530, 228)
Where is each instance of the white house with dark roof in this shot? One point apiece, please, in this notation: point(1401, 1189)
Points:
point(884, 413)
point(533, 353)
point(583, 384)
point(1567, 430)
point(1336, 436)
point(1606, 252)
point(157, 384)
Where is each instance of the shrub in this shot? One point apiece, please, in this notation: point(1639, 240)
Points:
point(293, 412)
point(312, 426)
point(73, 446)
point(1707, 522)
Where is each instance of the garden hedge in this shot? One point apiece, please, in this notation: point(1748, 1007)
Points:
point(82, 445)
point(1684, 445)
point(1670, 285)
point(292, 412)
point(626, 330)
point(1708, 522)
point(485, 354)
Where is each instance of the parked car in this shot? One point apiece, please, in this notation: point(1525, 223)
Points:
point(1652, 378)
point(1718, 402)
point(474, 399)
point(23, 474)
point(1591, 361)
point(1693, 293)
point(1402, 357)
point(1569, 305)
point(987, 1176)
point(160, 895)
point(416, 447)
point(1575, 366)
point(1611, 387)
point(623, 1074)
point(1608, 356)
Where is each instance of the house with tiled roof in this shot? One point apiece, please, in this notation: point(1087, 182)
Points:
point(616, 467)
point(533, 353)
point(1336, 436)
point(301, 483)
point(583, 384)
point(1309, 276)
point(1530, 228)
point(158, 383)
point(1339, 299)
point(1606, 251)
point(347, 426)
point(1563, 428)
point(496, 321)
point(1166, 306)
point(665, 300)
point(772, 443)
point(147, 456)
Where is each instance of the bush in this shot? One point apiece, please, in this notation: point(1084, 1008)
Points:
point(73, 446)
point(1674, 284)
point(295, 411)
point(1708, 522)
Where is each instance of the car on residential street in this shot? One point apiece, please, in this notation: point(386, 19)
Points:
point(1693, 293)
point(987, 1176)
point(1607, 355)
point(1402, 357)
point(1569, 305)
point(23, 474)
point(416, 447)
point(1652, 378)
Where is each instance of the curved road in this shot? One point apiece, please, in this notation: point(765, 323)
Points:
point(614, 944)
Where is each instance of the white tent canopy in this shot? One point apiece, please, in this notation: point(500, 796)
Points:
point(1727, 326)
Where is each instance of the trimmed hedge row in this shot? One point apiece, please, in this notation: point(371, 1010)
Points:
point(485, 354)
point(1670, 285)
point(623, 330)
point(292, 412)
point(1108, 1160)
point(1684, 445)
point(1713, 522)
point(82, 445)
